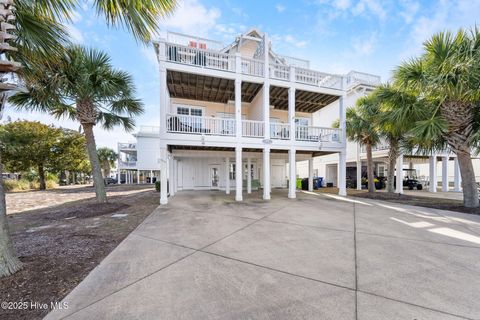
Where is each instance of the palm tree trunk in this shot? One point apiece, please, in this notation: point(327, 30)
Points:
point(469, 184)
point(392, 160)
point(371, 179)
point(96, 169)
point(41, 177)
point(9, 263)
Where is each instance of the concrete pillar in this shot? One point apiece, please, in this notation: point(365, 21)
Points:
point(359, 175)
point(138, 176)
point(151, 176)
point(342, 173)
point(163, 90)
point(238, 174)
point(399, 174)
point(444, 174)
point(119, 175)
point(249, 176)
point(310, 174)
point(292, 173)
point(175, 174)
point(457, 182)
point(432, 173)
point(291, 113)
point(238, 107)
point(163, 175)
point(266, 173)
point(227, 175)
point(266, 110)
point(171, 179)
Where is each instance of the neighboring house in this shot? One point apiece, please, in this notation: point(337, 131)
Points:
point(240, 106)
point(426, 168)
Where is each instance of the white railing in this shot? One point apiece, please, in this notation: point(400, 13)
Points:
point(200, 125)
point(355, 77)
point(199, 57)
point(252, 128)
point(127, 164)
point(292, 61)
point(279, 71)
point(279, 131)
point(149, 130)
point(126, 145)
point(193, 41)
point(253, 67)
point(317, 134)
point(317, 78)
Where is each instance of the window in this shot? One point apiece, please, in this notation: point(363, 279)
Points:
point(185, 110)
point(232, 171)
point(301, 121)
point(381, 170)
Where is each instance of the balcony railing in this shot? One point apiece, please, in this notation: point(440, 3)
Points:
point(127, 145)
point(317, 134)
point(253, 67)
point(199, 57)
point(279, 131)
point(355, 77)
point(253, 129)
point(317, 78)
point(128, 164)
point(200, 125)
point(279, 71)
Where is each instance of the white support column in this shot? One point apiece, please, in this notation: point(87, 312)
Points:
point(342, 173)
point(175, 174)
point(433, 173)
point(457, 182)
point(266, 173)
point(359, 167)
point(138, 176)
point(444, 174)
point(151, 176)
point(399, 174)
point(238, 107)
point(266, 110)
point(238, 174)
point(119, 175)
point(291, 112)
point(170, 177)
point(249, 175)
point(310, 174)
point(227, 175)
point(128, 177)
point(163, 89)
point(163, 175)
point(342, 156)
point(293, 173)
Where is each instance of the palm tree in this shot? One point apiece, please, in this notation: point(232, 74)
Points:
point(361, 127)
point(398, 109)
point(447, 77)
point(107, 159)
point(83, 86)
point(36, 30)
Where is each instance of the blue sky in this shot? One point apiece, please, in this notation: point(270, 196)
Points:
point(336, 36)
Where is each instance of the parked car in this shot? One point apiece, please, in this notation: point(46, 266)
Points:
point(111, 180)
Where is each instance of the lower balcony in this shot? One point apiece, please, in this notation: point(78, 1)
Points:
point(127, 164)
point(250, 129)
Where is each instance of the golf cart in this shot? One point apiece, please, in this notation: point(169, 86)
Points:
point(410, 180)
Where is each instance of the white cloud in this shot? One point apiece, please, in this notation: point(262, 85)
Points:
point(75, 34)
point(192, 17)
point(373, 6)
point(365, 46)
point(342, 4)
point(410, 9)
point(280, 7)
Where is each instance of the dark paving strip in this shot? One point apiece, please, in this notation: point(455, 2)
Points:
point(415, 305)
point(418, 240)
point(355, 257)
point(170, 264)
point(307, 225)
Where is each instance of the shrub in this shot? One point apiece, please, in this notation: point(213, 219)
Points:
point(16, 185)
point(157, 186)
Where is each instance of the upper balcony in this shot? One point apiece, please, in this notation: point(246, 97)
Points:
point(210, 54)
point(355, 78)
point(198, 125)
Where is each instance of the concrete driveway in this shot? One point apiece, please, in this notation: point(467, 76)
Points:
point(204, 256)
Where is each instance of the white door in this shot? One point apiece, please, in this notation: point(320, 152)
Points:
point(214, 177)
point(188, 175)
point(277, 176)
